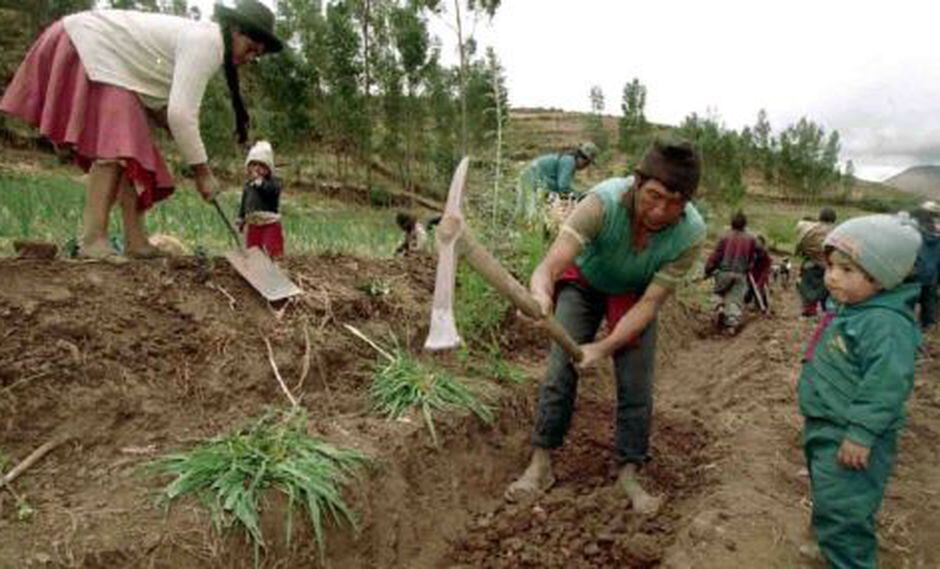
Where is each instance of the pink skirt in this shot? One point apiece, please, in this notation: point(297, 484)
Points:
point(51, 90)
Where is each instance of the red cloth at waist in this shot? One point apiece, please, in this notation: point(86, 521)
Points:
point(615, 305)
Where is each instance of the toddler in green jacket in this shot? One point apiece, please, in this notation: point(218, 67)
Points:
point(857, 374)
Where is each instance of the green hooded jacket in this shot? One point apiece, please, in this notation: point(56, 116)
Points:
point(862, 368)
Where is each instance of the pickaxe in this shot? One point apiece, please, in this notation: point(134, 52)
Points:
point(454, 237)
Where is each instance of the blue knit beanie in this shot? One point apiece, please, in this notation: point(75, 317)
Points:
point(885, 246)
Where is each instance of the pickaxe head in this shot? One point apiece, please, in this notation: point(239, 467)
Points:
point(442, 334)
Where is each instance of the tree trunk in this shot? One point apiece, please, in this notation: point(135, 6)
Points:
point(462, 74)
point(497, 96)
point(367, 85)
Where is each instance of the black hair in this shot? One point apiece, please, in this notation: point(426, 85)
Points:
point(405, 221)
point(738, 221)
point(242, 120)
point(827, 215)
point(676, 163)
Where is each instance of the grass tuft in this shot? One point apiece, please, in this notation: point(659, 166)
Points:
point(402, 383)
point(230, 475)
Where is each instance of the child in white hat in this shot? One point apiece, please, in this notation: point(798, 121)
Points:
point(259, 213)
point(857, 374)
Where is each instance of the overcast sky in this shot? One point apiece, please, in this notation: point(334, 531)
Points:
point(869, 69)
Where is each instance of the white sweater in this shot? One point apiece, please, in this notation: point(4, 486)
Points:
point(167, 60)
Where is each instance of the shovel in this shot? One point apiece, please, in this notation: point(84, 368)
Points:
point(256, 267)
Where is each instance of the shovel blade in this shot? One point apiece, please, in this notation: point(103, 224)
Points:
point(262, 274)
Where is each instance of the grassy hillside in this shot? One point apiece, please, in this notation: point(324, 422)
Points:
point(770, 206)
point(533, 132)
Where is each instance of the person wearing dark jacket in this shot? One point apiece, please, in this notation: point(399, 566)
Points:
point(927, 267)
point(731, 262)
point(260, 206)
point(761, 272)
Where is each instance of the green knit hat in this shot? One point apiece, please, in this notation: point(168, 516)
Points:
point(885, 246)
point(675, 163)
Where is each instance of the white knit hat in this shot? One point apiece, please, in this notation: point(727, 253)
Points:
point(263, 153)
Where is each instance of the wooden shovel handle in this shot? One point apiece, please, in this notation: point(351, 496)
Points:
point(228, 224)
point(499, 278)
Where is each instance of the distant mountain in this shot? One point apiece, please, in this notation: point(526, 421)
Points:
point(921, 180)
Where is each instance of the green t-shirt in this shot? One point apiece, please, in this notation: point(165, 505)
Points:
point(602, 224)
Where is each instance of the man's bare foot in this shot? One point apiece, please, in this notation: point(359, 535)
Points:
point(99, 249)
point(643, 503)
point(536, 479)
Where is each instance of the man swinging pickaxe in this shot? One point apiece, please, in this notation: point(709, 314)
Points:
point(618, 257)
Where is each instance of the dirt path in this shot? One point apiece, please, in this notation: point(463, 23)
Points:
point(728, 457)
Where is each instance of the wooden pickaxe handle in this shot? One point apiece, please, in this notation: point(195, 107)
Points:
point(499, 278)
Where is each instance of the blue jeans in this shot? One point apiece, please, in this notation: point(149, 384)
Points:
point(580, 310)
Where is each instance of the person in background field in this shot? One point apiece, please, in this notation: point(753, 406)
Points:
point(416, 236)
point(731, 262)
point(858, 371)
point(551, 174)
point(95, 82)
point(618, 256)
point(810, 238)
point(416, 233)
point(761, 272)
point(259, 212)
point(927, 267)
point(780, 272)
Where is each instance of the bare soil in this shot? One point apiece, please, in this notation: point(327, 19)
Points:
point(135, 360)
